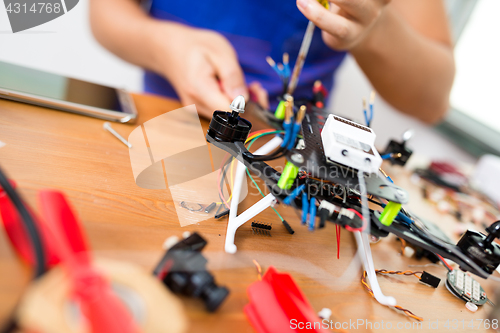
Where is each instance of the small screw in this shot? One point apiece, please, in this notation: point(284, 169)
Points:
point(345, 152)
point(400, 193)
point(297, 158)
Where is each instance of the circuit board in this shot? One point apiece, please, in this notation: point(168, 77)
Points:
point(463, 285)
point(315, 163)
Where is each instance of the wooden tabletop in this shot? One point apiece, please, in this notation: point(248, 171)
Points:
point(72, 153)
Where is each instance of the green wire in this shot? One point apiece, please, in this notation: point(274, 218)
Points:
point(248, 172)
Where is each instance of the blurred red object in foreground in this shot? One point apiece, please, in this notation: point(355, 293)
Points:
point(64, 243)
point(278, 305)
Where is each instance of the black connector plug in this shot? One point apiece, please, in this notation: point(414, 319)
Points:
point(221, 215)
point(183, 270)
point(288, 227)
point(430, 280)
point(323, 216)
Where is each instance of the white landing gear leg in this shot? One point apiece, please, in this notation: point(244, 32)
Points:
point(365, 254)
point(237, 221)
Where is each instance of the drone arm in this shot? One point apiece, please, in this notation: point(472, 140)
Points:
point(236, 221)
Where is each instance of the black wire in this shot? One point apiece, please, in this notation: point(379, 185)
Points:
point(29, 224)
point(222, 179)
point(445, 264)
point(30, 227)
point(375, 202)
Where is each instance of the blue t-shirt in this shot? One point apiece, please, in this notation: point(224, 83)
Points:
point(256, 29)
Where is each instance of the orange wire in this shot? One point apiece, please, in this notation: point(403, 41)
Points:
point(260, 132)
point(384, 271)
point(403, 245)
point(259, 269)
point(370, 291)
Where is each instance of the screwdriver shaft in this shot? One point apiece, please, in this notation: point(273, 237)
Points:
point(299, 64)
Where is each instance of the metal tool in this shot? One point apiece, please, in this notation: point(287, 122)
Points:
point(107, 127)
point(304, 50)
point(299, 64)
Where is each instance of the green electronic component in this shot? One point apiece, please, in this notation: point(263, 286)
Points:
point(280, 111)
point(288, 176)
point(390, 212)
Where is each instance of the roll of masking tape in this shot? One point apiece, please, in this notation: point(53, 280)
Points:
point(47, 306)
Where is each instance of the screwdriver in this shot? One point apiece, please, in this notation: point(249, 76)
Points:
point(304, 49)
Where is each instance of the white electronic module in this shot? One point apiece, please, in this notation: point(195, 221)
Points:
point(350, 144)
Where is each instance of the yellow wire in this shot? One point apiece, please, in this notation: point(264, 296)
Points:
point(232, 166)
point(383, 172)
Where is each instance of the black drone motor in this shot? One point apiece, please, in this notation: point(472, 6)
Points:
point(229, 127)
point(482, 249)
point(183, 270)
point(400, 154)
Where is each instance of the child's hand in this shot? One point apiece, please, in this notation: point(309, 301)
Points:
point(201, 65)
point(347, 23)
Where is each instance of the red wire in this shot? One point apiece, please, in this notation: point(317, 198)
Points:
point(337, 233)
point(365, 224)
point(444, 262)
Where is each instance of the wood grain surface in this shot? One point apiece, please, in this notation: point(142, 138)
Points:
point(72, 153)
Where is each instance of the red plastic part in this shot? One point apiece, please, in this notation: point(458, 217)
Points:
point(103, 309)
point(65, 243)
point(276, 301)
point(17, 234)
point(57, 212)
